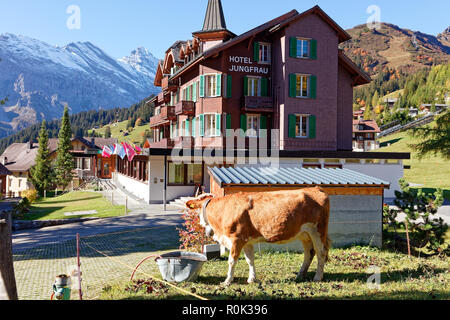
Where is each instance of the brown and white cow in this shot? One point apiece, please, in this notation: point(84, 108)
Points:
point(238, 221)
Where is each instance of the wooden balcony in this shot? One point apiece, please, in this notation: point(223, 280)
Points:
point(185, 108)
point(168, 85)
point(258, 104)
point(167, 114)
point(184, 142)
point(166, 143)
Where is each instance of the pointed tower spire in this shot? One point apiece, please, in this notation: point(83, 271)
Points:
point(214, 26)
point(214, 19)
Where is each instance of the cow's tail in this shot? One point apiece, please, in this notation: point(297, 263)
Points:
point(327, 248)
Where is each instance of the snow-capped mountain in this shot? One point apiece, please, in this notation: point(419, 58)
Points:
point(39, 79)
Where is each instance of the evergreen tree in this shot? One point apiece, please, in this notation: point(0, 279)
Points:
point(108, 132)
point(375, 99)
point(433, 140)
point(64, 160)
point(368, 113)
point(41, 173)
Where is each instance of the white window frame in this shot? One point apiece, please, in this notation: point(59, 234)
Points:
point(300, 48)
point(308, 85)
point(269, 52)
point(251, 118)
point(212, 124)
point(251, 87)
point(299, 123)
point(210, 79)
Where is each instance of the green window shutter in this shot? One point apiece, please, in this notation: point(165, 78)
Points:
point(228, 120)
point(171, 99)
point(229, 86)
point(171, 130)
point(218, 125)
point(292, 125)
point(194, 134)
point(245, 86)
point(264, 87)
point(313, 46)
point(313, 87)
point(202, 87)
point(263, 125)
point(202, 125)
point(312, 127)
point(256, 52)
point(218, 85)
point(194, 92)
point(187, 130)
point(243, 124)
point(292, 85)
point(293, 47)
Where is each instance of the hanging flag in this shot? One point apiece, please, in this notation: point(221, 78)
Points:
point(137, 148)
point(129, 151)
point(107, 152)
point(120, 151)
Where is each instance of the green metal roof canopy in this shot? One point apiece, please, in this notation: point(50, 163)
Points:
point(292, 176)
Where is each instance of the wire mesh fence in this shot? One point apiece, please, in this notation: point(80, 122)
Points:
point(105, 260)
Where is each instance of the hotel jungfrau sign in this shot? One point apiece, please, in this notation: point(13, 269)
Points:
point(246, 65)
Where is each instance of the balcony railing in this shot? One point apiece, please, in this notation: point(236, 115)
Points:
point(185, 108)
point(258, 104)
point(167, 114)
point(166, 143)
point(167, 84)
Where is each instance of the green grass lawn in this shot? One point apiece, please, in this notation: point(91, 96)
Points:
point(135, 136)
point(431, 172)
point(345, 277)
point(54, 208)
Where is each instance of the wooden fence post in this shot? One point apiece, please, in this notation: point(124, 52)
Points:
point(8, 289)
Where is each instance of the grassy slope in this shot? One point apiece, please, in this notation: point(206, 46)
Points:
point(431, 172)
point(135, 135)
point(345, 278)
point(54, 208)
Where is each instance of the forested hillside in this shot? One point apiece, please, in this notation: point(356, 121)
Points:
point(426, 86)
point(82, 122)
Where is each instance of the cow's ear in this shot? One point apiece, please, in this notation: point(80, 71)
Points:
point(190, 204)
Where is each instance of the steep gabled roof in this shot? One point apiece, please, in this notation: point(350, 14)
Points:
point(4, 171)
point(359, 76)
point(20, 157)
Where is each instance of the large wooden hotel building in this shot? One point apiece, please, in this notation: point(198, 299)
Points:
point(287, 74)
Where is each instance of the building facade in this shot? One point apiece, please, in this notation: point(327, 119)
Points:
point(287, 74)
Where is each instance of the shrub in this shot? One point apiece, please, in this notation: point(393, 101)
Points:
point(31, 195)
point(420, 208)
point(192, 235)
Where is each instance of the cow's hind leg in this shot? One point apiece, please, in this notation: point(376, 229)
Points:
point(308, 248)
point(250, 258)
point(235, 252)
point(320, 250)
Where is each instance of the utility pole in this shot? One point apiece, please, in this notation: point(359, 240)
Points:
point(8, 289)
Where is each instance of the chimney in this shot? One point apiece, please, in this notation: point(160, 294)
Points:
point(30, 145)
point(4, 161)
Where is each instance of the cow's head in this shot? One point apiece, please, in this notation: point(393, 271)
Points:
point(197, 205)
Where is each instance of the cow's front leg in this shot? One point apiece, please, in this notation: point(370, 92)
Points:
point(250, 258)
point(235, 252)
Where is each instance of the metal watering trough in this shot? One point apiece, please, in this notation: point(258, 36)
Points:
point(178, 266)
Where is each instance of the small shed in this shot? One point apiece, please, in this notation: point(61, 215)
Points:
point(356, 199)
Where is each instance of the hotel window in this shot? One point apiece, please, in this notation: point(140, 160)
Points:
point(303, 48)
point(185, 174)
point(262, 52)
point(212, 125)
point(254, 87)
point(302, 126)
point(302, 86)
point(253, 125)
point(211, 85)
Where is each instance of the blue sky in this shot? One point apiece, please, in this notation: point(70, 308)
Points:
point(119, 26)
